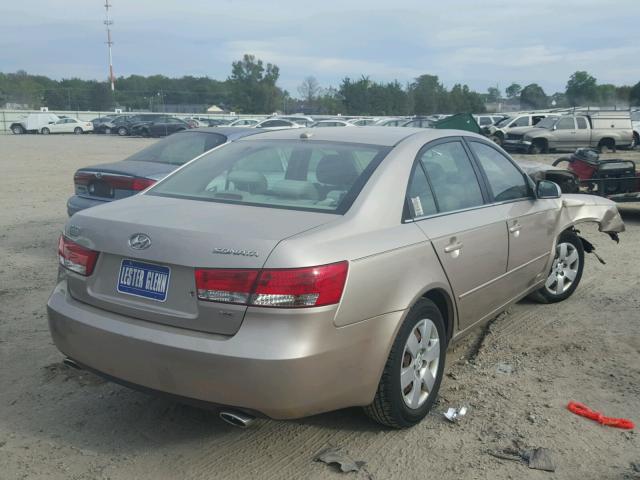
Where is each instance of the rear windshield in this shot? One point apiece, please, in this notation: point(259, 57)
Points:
point(179, 148)
point(291, 174)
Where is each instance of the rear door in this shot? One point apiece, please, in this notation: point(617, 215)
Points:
point(565, 133)
point(448, 203)
point(530, 222)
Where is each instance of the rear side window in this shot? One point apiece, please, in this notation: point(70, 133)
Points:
point(179, 148)
point(582, 123)
point(419, 196)
point(293, 174)
point(505, 180)
point(452, 177)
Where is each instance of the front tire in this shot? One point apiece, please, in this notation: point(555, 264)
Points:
point(17, 130)
point(45, 131)
point(122, 131)
point(77, 131)
point(566, 270)
point(412, 375)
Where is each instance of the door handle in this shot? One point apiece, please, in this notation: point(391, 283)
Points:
point(453, 247)
point(515, 228)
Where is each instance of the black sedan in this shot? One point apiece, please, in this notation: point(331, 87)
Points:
point(97, 184)
point(159, 127)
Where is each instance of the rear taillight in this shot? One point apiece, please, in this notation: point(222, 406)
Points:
point(284, 288)
point(224, 285)
point(75, 257)
point(121, 182)
point(139, 184)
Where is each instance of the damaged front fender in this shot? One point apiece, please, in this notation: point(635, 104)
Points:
point(579, 208)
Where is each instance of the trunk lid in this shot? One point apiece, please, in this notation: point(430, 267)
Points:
point(184, 235)
point(113, 181)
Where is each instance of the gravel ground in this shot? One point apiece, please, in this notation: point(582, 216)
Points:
point(58, 423)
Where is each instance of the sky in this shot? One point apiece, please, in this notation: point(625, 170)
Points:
point(479, 43)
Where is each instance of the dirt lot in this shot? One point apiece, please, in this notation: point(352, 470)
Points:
point(58, 423)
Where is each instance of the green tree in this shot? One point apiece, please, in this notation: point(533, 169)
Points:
point(493, 94)
point(533, 96)
point(253, 85)
point(513, 90)
point(428, 95)
point(634, 95)
point(581, 88)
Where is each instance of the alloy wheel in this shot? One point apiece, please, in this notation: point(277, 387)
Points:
point(420, 360)
point(564, 269)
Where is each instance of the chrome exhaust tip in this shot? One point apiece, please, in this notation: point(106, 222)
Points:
point(237, 419)
point(71, 363)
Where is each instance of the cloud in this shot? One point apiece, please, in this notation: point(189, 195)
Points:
point(461, 41)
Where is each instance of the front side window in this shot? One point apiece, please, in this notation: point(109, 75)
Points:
point(566, 123)
point(505, 180)
point(294, 174)
point(452, 177)
point(521, 122)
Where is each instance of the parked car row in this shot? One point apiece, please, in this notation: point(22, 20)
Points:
point(46, 123)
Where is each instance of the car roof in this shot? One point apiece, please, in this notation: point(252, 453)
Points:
point(383, 136)
point(232, 133)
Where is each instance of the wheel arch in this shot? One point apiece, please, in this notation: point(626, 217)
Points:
point(442, 299)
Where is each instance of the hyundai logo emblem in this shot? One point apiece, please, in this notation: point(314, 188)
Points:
point(139, 241)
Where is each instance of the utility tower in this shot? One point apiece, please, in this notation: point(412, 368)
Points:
point(108, 22)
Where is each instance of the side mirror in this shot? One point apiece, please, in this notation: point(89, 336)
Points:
point(548, 189)
point(555, 127)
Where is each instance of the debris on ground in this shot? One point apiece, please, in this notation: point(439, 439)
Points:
point(453, 414)
point(337, 456)
point(584, 411)
point(539, 459)
point(536, 458)
point(504, 368)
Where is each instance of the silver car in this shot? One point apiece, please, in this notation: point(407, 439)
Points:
point(295, 272)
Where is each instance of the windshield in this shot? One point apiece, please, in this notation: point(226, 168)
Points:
point(548, 122)
point(179, 148)
point(504, 122)
point(292, 174)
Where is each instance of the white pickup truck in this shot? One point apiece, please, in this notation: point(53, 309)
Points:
point(33, 123)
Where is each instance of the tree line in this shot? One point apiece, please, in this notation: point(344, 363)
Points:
point(252, 87)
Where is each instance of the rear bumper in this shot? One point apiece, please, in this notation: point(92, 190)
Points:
point(280, 363)
point(77, 203)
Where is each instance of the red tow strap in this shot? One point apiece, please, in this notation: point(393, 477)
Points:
point(584, 411)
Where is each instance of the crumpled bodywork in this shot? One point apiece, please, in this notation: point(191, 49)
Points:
point(579, 208)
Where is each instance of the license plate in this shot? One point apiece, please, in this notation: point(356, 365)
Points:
point(144, 280)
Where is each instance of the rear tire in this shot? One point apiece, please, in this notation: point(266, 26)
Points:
point(45, 131)
point(17, 130)
point(636, 141)
point(497, 139)
point(412, 375)
point(607, 144)
point(566, 270)
point(77, 131)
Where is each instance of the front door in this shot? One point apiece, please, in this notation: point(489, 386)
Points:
point(530, 221)
point(468, 236)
